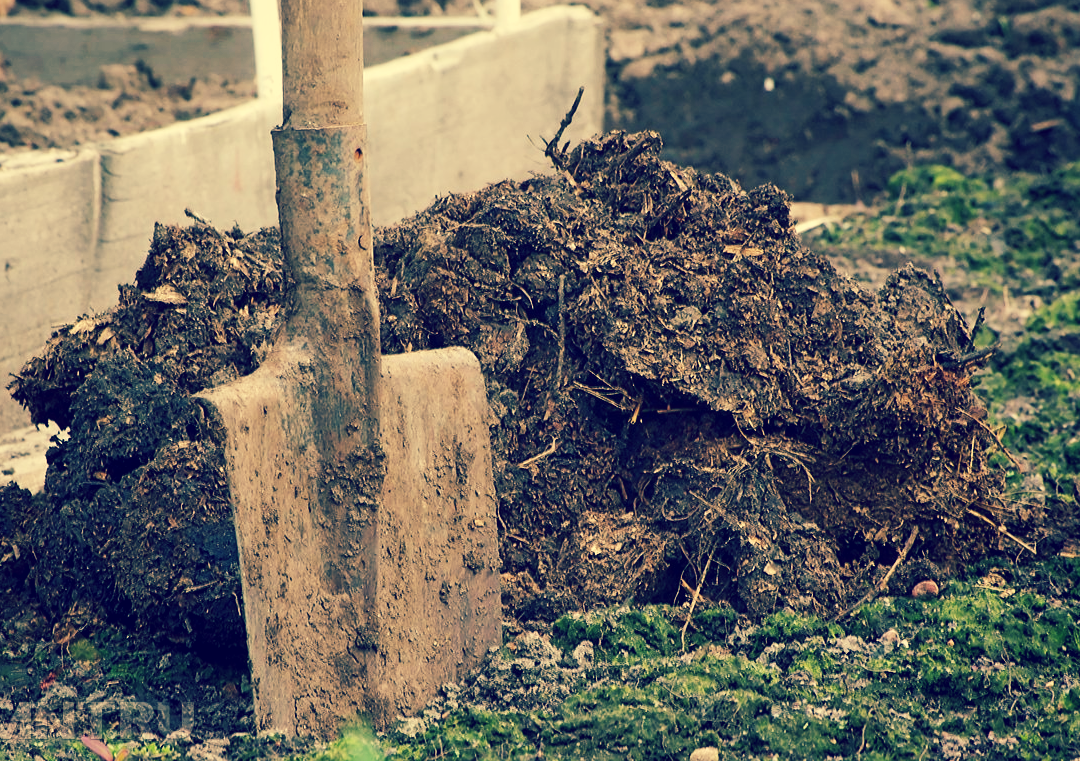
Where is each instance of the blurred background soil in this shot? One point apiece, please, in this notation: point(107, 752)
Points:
point(824, 99)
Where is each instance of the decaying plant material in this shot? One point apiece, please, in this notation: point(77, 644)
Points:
point(687, 403)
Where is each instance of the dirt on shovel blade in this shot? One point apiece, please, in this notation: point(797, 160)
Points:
point(686, 402)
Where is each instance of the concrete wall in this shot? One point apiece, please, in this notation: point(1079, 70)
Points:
point(71, 51)
point(451, 118)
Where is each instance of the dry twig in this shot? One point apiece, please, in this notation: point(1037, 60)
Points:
point(880, 586)
point(551, 149)
point(694, 599)
point(997, 437)
point(562, 331)
point(537, 457)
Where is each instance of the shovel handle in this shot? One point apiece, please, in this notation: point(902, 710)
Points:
point(323, 198)
point(322, 49)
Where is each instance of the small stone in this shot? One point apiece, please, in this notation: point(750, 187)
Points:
point(926, 588)
point(890, 640)
point(584, 654)
point(708, 753)
point(890, 636)
point(412, 726)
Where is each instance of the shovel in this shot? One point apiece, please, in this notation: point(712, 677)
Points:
point(361, 485)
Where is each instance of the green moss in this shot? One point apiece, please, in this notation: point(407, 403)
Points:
point(1062, 312)
point(82, 650)
point(970, 662)
point(469, 734)
point(1016, 231)
point(786, 625)
point(620, 632)
point(713, 624)
point(816, 663)
point(1044, 425)
point(799, 735)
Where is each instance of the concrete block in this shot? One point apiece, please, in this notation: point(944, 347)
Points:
point(220, 166)
point(474, 111)
point(51, 204)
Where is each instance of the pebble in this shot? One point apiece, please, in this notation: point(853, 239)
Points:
point(926, 588)
point(890, 640)
point(708, 753)
point(890, 636)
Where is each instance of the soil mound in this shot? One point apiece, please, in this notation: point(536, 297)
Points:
point(687, 402)
point(138, 522)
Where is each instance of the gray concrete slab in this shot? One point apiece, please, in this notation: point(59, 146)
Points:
point(51, 207)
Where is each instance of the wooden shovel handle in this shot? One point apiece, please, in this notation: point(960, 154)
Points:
point(323, 198)
point(322, 49)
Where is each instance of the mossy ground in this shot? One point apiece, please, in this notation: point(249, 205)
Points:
point(1017, 231)
point(986, 669)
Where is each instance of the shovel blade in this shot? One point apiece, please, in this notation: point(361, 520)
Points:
point(372, 579)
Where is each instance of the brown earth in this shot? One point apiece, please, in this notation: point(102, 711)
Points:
point(127, 101)
point(825, 100)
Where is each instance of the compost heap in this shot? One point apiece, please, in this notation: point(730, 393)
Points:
point(687, 402)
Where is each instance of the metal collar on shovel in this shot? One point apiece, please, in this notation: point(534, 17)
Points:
point(361, 485)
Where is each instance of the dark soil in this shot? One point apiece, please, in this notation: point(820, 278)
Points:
point(826, 101)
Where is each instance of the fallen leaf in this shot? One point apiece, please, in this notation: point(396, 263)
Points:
point(97, 747)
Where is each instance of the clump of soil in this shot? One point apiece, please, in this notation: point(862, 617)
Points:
point(688, 402)
point(128, 100)
point(139, 521)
